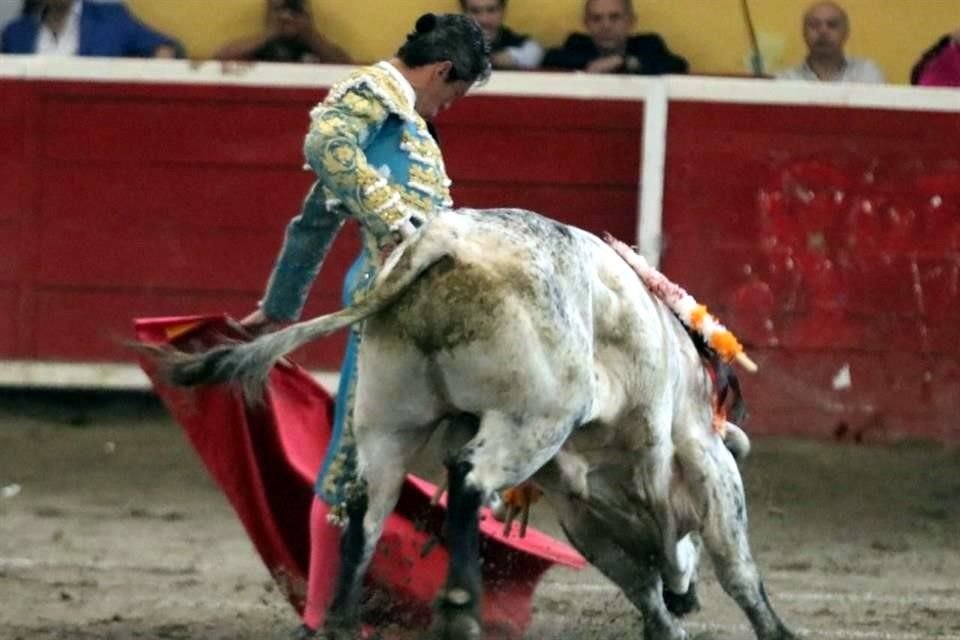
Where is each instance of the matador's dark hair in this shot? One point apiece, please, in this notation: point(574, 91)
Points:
point(449, 37)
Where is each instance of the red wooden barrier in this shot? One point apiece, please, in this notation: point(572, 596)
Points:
point(824, 233)
point(124, 199)
point(829, 237)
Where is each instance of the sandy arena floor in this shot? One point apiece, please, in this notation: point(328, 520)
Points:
point(116, 532)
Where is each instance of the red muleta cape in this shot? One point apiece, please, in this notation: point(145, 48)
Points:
point(266, 458)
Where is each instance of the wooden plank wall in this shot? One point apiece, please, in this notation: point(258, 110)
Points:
point(120, 200)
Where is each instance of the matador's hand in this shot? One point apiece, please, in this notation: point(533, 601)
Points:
point(257, 323)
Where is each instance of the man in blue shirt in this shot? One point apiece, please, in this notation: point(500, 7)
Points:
point(84, 28)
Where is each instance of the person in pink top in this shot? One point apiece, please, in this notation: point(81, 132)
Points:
point(939, 66)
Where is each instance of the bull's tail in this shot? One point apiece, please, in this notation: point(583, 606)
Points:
point(248, 364)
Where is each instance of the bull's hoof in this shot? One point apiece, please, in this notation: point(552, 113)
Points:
point(457, 626)
point(457, 616)
point(680, 604)
point(338, 634)
point(664, 631)
point(303, 632)
point(333, 630)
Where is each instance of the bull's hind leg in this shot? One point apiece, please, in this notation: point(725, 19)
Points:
point(395, 412)
point(505, 452)
point(356, 549)
point(725, 537)
point(458, 606)
point(384, 460)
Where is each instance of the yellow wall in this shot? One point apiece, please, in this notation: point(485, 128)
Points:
point(710, 33)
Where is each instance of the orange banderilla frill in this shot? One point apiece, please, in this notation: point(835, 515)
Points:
point(691, 313)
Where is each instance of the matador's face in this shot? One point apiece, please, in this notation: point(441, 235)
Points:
point(438, 93)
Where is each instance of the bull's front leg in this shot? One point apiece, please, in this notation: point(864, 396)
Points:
point(458, 606)
point(636, 572)
point(725, 537)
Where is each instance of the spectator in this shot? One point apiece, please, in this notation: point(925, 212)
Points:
point(609, 47)
point(939, 66)
point(508, 50)
point(31, 7)
point(84, 28)
point(289, 36)
point(826, 28)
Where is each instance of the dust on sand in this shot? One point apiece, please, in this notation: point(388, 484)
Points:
point(112, 529)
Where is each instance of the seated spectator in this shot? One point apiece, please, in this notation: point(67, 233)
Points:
point(289, 36)
point(826, 28)
point(508, 50)
point(83, 28)
point(939, 66)
point(609, 47)
point(31, 7)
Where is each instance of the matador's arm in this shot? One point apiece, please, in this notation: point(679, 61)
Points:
point(346, 183)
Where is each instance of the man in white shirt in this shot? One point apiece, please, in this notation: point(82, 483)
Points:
point(59, 33)
point(826, 28)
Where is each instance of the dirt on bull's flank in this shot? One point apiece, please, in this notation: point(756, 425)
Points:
point(110, 528)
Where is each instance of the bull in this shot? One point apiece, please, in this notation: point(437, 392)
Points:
point(543, 357)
